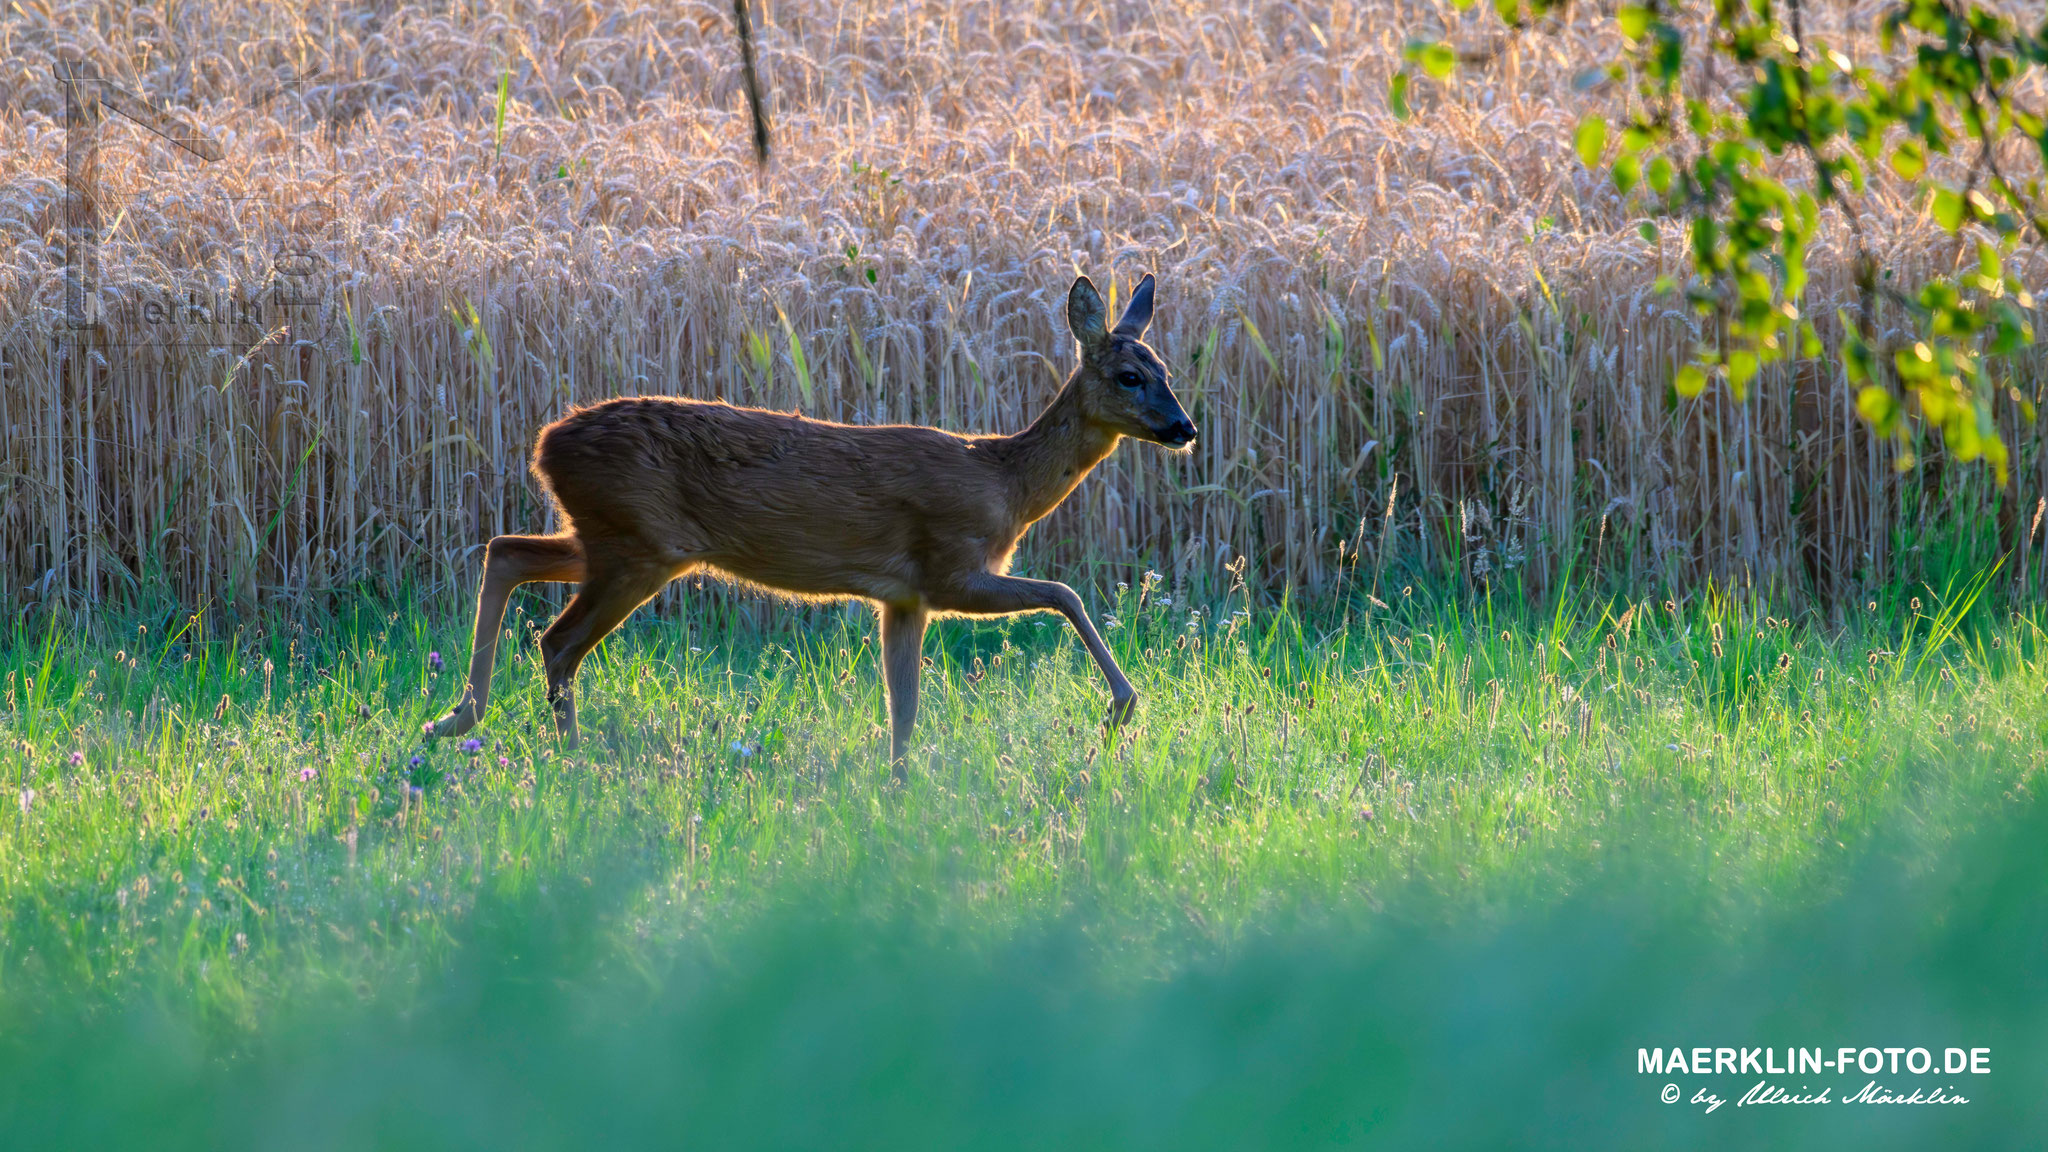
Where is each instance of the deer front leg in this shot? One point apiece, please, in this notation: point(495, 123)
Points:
point(992, 595)
point(509, 561)
point(903, 628)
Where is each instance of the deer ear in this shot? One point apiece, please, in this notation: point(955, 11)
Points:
point(1139, 314)
point(1085, 314)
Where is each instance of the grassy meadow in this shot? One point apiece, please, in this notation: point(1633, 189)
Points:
point(1349, 866)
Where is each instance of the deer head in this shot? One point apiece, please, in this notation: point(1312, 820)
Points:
point(1122, 382)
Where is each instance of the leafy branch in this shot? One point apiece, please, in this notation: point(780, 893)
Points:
point(1726, 89)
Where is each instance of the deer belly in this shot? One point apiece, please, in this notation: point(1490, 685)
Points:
point(781, 529)
point(820, 576)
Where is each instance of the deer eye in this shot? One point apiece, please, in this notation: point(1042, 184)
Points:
point(1130, 380)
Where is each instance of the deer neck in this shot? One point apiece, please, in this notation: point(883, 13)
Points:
point(1055, 454)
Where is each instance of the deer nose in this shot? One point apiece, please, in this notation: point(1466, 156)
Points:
point(1182, 433)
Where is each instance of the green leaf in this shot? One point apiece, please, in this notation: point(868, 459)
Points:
point(1876, 406)
point(1699, 117)
point(1591, 139)
point(1438, 60)
point(1989, 272)
point(1648, 231)
point(1660, 175)
point(1397, 96)
point(1916, 364)
point(797, 359)
point(1627, 171)
point(1948, 208)
point(1742, 368)
point(1690, 381)
point(1857, 358)
point(355, 336)
point(1633, 20)
point(1666, 55)
point(1909, 159)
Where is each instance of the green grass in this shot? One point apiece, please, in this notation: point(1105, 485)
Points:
point(1350, 865)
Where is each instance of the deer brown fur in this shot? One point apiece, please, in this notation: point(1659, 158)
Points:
point(915, 520)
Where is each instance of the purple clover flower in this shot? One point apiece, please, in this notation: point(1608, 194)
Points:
point(472, 745)
point(309, 773)
point(434, 661)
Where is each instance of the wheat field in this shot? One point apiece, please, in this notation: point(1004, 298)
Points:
point(1429, 345)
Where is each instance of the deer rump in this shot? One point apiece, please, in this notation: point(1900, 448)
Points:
point(807, 508)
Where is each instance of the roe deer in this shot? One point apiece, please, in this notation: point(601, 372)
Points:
point(914, 520)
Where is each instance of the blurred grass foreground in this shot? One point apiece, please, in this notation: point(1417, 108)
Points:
point(820, 1027)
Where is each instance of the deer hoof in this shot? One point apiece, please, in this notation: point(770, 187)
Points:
point(1120, 709)
point(454, 723)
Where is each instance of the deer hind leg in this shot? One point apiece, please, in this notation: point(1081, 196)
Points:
point(991, 595)
point(903, 628)
point(610, 593)
point(509, 561)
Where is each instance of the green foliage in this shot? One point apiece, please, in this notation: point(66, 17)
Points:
point(1435, 56)
point(1946, 88)
point(1591, 140)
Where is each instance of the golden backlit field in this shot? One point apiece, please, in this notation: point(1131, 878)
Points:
point(1435, 341)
